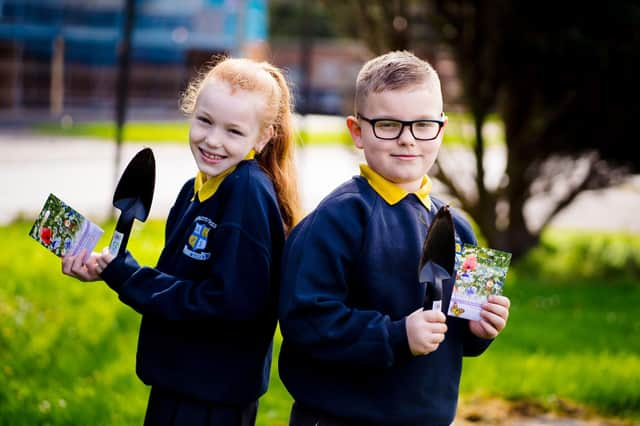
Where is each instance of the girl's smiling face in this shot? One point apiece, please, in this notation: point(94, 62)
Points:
point(226, 125)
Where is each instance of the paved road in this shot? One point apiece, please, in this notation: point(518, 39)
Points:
point(81, 172)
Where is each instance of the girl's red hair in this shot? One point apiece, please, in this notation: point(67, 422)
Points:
point(277, 158)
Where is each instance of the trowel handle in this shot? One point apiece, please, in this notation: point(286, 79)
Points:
point(434, 295)
point(121, 234)
point(437, 305)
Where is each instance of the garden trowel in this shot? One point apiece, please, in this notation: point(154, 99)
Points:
point(133, 197)
point(438, 257)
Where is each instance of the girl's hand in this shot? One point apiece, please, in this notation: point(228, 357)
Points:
point(89, 270)
point(104, 259)
point(494, 317)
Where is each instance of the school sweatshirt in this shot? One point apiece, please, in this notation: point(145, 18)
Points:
point(209, 306)
point(349, 280)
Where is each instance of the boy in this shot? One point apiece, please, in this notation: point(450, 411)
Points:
point(358, 348)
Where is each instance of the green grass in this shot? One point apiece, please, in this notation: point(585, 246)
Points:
point(573, 253)
point(458, 132)
point(133, 131)
point(67, 349)
point(569, 340)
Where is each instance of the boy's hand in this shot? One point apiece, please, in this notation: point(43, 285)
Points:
point(88, 271)
point(425, 331)
point(494, 317)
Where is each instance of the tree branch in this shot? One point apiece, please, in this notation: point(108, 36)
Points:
point(446, 180)
point(574, 192)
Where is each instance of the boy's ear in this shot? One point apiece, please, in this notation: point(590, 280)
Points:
point(265, 137)
point(444, 126)
point(355, 130)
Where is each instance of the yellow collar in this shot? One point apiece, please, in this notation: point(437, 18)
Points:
point(391, 192)
point(204, 188)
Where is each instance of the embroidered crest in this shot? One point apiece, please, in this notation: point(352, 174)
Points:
point(197, 241)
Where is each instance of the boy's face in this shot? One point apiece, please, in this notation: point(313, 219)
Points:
point(405, 160)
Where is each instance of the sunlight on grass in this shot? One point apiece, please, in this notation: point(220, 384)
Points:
point(164, 131)
point(459, 131)
point(67, 349)
point(566, 339)
point(574, 253)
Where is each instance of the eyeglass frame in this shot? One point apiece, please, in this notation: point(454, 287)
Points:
point(373, 121)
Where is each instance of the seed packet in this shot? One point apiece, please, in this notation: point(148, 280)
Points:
point(480, 272)
point(61, 229)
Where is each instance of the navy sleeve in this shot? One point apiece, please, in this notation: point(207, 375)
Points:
point(238, 284)
point(473, 345)
point(318, 264)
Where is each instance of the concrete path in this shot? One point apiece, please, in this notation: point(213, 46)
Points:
point(81, 172)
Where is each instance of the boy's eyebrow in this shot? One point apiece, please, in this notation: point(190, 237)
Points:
point(390, 117)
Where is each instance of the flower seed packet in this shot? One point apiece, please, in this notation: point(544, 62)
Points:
point(480, 272)
point(62, 230)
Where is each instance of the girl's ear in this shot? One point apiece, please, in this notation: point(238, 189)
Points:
point(355, 130)
point(265, 137)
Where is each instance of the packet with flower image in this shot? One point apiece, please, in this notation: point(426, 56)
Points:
point(61, 229)
point(480, 272)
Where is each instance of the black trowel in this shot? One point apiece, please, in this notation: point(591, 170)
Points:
point(438, 257)
point(133, 197)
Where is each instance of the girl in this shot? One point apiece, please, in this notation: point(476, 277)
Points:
point(209, 306)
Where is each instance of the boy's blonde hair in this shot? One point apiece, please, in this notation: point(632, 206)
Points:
point(276, 159)
point(395, 70)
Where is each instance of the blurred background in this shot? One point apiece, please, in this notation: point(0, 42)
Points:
point(540, 153)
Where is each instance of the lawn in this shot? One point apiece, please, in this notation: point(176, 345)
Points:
point(459, 131)
point(67, 349)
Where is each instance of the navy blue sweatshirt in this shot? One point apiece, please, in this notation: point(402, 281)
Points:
point(209, 306)
point(350, 279)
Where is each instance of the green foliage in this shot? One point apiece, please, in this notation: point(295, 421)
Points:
point(326, 138)
point(289, 19)
point(164, 131)
point(168, 132)
point(67, 349)
point(565, 340)
point(459, 131)
point(565, 254)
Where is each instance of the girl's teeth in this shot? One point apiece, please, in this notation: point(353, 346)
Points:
point(212, 156)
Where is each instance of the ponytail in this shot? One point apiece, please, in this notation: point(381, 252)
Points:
point(277, 158)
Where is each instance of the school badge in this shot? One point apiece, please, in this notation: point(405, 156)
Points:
point(197, 241)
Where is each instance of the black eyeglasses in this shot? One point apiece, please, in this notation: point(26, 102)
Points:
point(389, 129)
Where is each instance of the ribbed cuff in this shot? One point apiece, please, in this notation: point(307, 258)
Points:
point(474, 345)
point(399, 339)
point(119, 271)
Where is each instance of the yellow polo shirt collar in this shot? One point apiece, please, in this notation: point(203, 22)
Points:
point(391, 192)
point(204, 188)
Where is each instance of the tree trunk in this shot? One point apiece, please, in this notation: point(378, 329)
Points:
point(517, 237)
